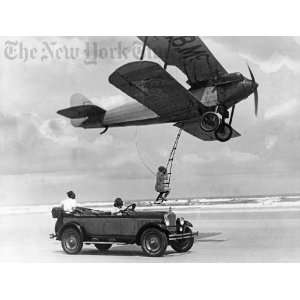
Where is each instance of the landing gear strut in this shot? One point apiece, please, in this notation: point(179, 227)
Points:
point(224, 132)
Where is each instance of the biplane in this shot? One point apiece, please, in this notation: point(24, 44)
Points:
point(204, 110)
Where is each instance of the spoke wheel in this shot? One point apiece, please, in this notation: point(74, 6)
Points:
point(71, 241)
point(210, 121)
point(183, 245)
point(154, 242)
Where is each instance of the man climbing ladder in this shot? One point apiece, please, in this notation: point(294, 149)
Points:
point(163, 176)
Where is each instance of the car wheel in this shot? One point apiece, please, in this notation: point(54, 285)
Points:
point(71, 241)
point(154, 242)
point(103, 247)
point(183, 245)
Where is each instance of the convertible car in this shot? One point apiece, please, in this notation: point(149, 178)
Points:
point(152, 230)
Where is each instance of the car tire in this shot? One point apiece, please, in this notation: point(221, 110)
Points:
point(71, 241)
point(154, 242)
point(183, 245)
point(103, 247)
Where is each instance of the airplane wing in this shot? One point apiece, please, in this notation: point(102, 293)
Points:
point(194, 129)
point(152, 86)
point(188, 53)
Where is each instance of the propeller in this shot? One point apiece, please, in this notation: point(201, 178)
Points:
point(254, 87)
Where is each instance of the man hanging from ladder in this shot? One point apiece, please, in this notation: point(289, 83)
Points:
point(163, 176)
point(162, 185)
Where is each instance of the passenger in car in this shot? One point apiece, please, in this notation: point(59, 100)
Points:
point(118, 204)
point(69, 204)
point(161, 185)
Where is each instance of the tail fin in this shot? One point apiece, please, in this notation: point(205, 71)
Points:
point(78, 100)
point(82, 110)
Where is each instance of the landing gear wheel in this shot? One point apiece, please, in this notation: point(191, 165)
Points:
point(71, 241)
point(154, 242)
point(103, 247)
point(183, 245)
point(210, 121)
point(223, 133)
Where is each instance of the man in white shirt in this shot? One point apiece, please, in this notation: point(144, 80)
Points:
point(118, 204)
point(69, 204)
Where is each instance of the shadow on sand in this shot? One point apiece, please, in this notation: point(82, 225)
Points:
point(203, 237)
point(137, 251)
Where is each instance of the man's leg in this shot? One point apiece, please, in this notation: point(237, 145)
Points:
point(164, 198)
point(159, 197)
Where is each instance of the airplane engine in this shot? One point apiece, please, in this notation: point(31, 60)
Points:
point(210, 121)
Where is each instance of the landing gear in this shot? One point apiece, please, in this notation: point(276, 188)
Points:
point(224, 132)
point(210, 121)
point(213, 122)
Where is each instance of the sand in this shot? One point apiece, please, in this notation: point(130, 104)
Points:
point(244, 235)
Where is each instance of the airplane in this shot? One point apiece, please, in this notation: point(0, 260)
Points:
point(202, 110)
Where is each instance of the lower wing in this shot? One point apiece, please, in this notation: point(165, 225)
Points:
point(194, 129)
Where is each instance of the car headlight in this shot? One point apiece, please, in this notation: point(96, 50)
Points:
point(181, 221)
point(166, 220)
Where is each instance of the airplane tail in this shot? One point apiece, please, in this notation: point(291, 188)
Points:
point(82, 111)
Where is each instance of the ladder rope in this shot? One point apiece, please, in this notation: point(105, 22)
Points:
point(139, 154)
point(172, 156)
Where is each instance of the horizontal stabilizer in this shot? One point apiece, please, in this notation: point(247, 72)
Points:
point(82, 111)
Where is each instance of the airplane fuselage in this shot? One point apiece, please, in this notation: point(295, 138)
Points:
point(134, 113)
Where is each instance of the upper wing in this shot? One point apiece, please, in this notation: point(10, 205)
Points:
point(188, 53)
point(194, 129)
point(152, 86)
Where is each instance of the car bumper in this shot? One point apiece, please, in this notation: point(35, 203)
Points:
point(180, 236)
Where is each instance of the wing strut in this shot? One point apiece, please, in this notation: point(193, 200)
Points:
point(168, 52)
point(144, 47)
point(231, 116)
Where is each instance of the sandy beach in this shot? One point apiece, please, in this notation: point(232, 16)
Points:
point(225, 235)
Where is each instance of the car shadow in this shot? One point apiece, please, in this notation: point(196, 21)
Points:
point(136, 251)
point(206, 237)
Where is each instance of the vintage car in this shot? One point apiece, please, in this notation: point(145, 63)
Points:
point(152, 230)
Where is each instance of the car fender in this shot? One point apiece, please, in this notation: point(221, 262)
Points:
point(159, 226)
point(71, 225)
point(187, 223)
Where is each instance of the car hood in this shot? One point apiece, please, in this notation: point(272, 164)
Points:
point(151, 214)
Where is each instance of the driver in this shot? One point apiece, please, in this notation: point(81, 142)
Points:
point(118, 204)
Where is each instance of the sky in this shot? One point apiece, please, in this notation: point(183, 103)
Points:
point(43, 156)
